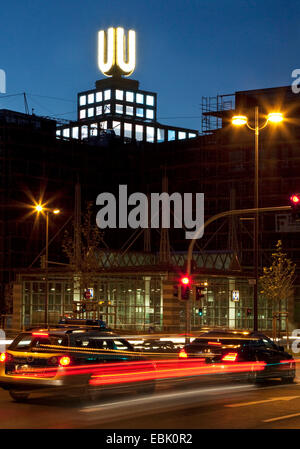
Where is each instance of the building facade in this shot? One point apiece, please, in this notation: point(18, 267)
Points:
point(132, 296)
point(117, 105)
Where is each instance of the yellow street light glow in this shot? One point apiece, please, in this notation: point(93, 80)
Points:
point(275, 117)
point(112, 52)
point(39, 208)
point(239, 120)
point(56, 211)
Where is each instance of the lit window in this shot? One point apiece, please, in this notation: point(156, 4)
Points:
point(129, 110)
point(127, 130)
point(171, 134)
point(139, 131)
point(91, 98)
point(149, 113)
point(150, 134)
point(160, 135)
point(90, 112)
point(117, 128)
point(82, 100)
point(107, 109)
point(58, 132)
point(129, 96)
point(93, 130)
point(181, 135)
point(140, 98)
point(98, 110)
point(82, 113)
point(191, 135)
point(75, 132)
point(103, 125)
point(119, 109)
point(98, 97)
point(119, 94)
point(150, 100)
point(139, 112)
point(84, 132)
point(66, 132)
point(107, 94)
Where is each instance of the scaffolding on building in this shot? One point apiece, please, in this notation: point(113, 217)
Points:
point(212, 109)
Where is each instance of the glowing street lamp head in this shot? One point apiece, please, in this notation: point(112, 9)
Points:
point(239, 120)
point(275, 117)
point(39, 208)
point(56, 211)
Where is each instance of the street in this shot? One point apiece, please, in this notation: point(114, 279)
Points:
point(204, 404)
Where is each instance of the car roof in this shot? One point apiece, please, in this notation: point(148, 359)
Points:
point(231, 334)
point(82, 330)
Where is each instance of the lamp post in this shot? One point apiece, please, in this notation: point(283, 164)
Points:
point(239, 120)
point(39, 208)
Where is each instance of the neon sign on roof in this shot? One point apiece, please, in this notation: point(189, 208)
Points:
point(114, 56)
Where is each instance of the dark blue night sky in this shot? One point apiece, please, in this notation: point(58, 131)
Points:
point(186, 49)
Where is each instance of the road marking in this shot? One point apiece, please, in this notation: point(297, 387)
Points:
point(245, 404)
point(281, 417)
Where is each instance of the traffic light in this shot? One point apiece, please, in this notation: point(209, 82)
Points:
point(83, 307)
point(185, 282)
point(295, 205)
point(199, 311)
point(248, 312)
point(175, 290)
point(200, 291)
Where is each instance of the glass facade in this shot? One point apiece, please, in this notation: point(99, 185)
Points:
point(124, 303)
point(219, 310)
point(135, 302)
point(60, 300)
point(139, 106)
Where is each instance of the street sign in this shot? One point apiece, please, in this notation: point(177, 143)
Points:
point(235, 295)
point(89, 293)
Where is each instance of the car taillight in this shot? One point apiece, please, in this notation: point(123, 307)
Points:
point(230, 357)
point(64, 361)
point(183, 354)
point(6, 357)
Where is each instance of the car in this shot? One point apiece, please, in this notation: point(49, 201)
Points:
point(157, 346)
point(72, 356)
point(237, 349)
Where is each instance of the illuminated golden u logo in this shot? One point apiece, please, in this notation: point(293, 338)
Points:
point(112, 55)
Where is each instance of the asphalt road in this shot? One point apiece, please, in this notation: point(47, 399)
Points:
point(207, 404)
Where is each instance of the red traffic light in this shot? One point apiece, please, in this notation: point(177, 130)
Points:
point(185, 280)
point(295, 198)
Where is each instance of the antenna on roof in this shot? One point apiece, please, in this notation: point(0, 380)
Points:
point(26, 104)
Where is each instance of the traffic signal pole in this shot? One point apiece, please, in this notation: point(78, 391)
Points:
point(200, 231)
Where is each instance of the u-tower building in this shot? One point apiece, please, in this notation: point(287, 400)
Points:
point(117, 105)
point(135, 289)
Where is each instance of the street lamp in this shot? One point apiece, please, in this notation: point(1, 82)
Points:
point(39, 208)
point(239, 120)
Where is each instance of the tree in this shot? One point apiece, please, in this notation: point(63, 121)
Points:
point(87, 264)
point(277, 280)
